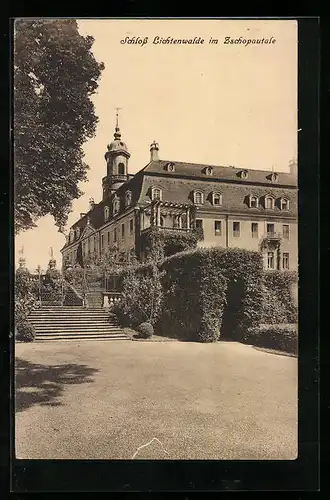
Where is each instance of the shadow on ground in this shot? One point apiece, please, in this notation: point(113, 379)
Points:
point(43, 385)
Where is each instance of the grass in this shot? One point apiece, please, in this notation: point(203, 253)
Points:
point(154, 400)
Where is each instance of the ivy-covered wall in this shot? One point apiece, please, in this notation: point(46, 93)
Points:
point(196, 298)
point(279, 302)
point(158, 243)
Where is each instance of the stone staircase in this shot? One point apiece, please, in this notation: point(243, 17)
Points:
point(75, 323)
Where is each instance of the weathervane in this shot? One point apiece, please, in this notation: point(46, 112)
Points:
point(117, 116)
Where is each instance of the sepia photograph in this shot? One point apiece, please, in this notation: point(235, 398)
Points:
point(156, 239)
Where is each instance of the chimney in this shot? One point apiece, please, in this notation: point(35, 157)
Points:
point(91, 204)
point(293, 167)
point(154, 148)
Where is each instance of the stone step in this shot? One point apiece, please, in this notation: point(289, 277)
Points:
point(53, 338)
point(47, 328)
point(80, 332)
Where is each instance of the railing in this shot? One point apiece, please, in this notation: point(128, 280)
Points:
point(111, 298)
point(167, 228)
point(273, 236)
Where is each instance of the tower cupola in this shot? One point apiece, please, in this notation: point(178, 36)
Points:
point(117, 156)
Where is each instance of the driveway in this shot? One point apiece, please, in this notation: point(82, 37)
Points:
point(154, 400)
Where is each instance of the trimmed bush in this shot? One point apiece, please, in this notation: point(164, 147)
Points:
point(141, 295)
point(279, 305)
point(145, 330)
point(278, 337)
point(25, 331)
point(195, 288)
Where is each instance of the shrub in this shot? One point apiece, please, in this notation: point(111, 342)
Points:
point(279, 337)
point(145, 330)
point(157, 243)
point(141, 295)
point(196, 285)
point(279, 304)
point(25, 295)
point(25, 331)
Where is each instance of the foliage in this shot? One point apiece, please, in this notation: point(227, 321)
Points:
point(196, 292)
point(25, 295)
point(55, 75)
point(51, 288)
point(25, 331)
point(159, 243)
point(279, 304)
point(145, 330)
point(141, 295)
point(279, 337)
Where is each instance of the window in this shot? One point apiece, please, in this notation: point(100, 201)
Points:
point(208, 170)
point(128, 198)
point(115, 234)
point(286, 231)
point(121, 169)
point(116, 206)
point(131, 226)
point(270, 260)
point(216, 199)
point(217, 227)
point(236, 229)
point(270, 228)
point(269, 202)
point(198, 197)
point(254, 229)
point(284, 203)
point(161, 221)
point(77, 232)
point(123, 230)
point(199, 223)
point(285, 261)
point(170, 167)
point(274, 177)
point(108, 238)
point(243, 174)
point(102, 240)
point(106, 213)
point(177, 222)
point(254, 202)
point(156, 194)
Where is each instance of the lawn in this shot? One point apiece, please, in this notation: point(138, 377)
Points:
point(154, 400)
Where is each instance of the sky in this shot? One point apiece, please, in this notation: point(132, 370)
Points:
point(218, 104)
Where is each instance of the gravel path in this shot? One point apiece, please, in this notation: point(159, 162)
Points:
point(154, 400)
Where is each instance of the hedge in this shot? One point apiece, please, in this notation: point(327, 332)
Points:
point(141, 295)
point(25, 331)
point(196, 286)
point(279, 305)
point(278, 337)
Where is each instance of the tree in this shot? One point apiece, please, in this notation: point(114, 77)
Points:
point(55, 75)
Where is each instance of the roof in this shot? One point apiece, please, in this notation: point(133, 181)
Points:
point(178, 186)
point(229, 174)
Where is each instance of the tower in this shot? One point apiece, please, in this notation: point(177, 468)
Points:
point(117, 156)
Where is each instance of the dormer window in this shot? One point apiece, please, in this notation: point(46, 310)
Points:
point(170, 167)
point(156, 193)
point(77, 232)
point(71, 236)
point(106, 213)
point(269, 202)
point(198, 197)
point(208, 170)
point(116, 206)
point(128, 198)
point(243, 174)
point(274, 177)
point(284, 204)
point(253, 201)
point(216, 199)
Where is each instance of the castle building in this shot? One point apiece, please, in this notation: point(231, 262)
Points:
point(229, 206)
